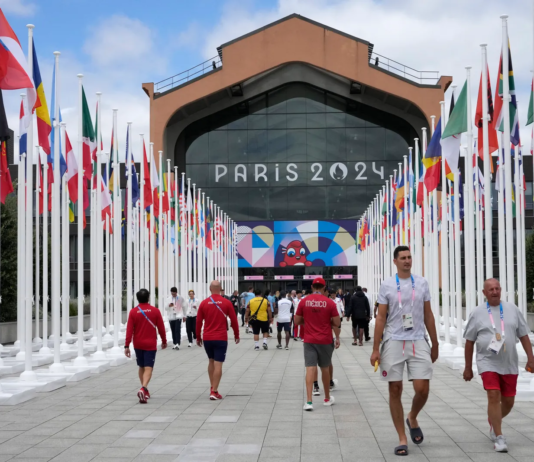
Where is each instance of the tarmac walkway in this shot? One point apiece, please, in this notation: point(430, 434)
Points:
point(260, 417)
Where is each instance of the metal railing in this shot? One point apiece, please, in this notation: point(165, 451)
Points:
point(183, 77)
point(422, 77)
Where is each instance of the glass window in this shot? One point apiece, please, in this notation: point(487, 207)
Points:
point(296, 120)
point(336, 202)
point(257, 122)
point(257, 146)
point(316, 120)
point(237, 146)
point(355, 139)
point(276, 121)
point(197, 152)
point(375, 146)
point(276, 145)
point(296, 145)
point(316, 145)
point(238, 204)
point(278, 207)
point(336, 143)
point(335, 119)
point(199, 175)
point(218, 147)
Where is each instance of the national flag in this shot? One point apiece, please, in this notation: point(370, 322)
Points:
point(530, 116)
point(6, 185)
point(385, 212)
point(44, 126)
point(72, 171)
point(399, 194)
point(129, 168)
point(514, 122)
point(492, 133)
point(14, 73)
point(209, 243)
point(89, 140)
point(451, 137)
point(163, 189)
point(62, 162)
point(432, 159)
point(23, 131)
point(154, 182)
point(71, 211)
point(109, 165)
point(411, 180)
point(149, 200)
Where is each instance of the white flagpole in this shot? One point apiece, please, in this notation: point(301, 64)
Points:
point(177, 275)
point(28, 374)
point(454, 267)
point(183, 241)
point(107, 292)
point(478, 230)
point(117, 247)
point(136, 249)
point(56, 242)
point(161, 295)
point(426, 220)
point(45, 350)
point(194, 265)
point(202, 244)
point(129, 227)
point(520, 248)
point(65, 253)
point(80, 359)
point(142, 226)
point(488, 210)
point(501, 225)
point(416, 219)
point(508, 166)
point(37, 339)
point(168, 254)
point(522, 254)
point(458, 351)
point(21, 244)
point(99, 267)
point(406, 211)
point(152, 237)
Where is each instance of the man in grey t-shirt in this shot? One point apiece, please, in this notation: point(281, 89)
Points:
point(403, 313)
point(497, 361)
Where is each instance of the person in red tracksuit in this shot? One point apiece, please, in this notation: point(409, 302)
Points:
point(144, 323)
point(213, 313)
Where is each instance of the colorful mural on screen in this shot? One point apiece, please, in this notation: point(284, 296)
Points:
point(296, 243)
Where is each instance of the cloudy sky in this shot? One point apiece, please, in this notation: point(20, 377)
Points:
point(119, 44)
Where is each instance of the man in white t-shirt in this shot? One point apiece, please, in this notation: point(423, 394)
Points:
point(175, 313)
point(403, 313)
point(495, 327)
point(284, 319)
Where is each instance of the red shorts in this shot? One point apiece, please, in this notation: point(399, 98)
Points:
point(507, 383)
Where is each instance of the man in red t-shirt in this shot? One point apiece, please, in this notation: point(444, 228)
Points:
point(320, 315)
point(213, 313)
point(144, 323)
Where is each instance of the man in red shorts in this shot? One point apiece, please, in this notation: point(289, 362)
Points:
point(495, 327)
point(144, 323)
point(213, 313)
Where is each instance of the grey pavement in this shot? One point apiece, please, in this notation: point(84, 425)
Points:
point(260, 417)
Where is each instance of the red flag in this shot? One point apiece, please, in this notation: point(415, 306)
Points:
point(85, 201)
point(148, 184)
point(492, 133)
point(41, 186)
point(6, 185)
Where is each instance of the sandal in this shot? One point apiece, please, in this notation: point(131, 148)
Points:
point(415, 433)
point(401, 450)
point(354, 343)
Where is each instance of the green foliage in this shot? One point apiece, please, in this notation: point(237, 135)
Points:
point(8, 259)
point(529, 252)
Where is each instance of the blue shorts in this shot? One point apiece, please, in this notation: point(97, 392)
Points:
point(216, 349)
point(145, 358)
point(286, 326)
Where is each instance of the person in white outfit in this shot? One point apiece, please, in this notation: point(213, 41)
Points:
point(175, 312)
point(191, 317)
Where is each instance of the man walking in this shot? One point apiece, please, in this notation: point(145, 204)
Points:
point(175, 314)
point(360, 311)
point(191, 319)
point(403, 312)
point(320, 315)
point(245, 300)
point(298, 331)
point(213, 313)
point(259, 316)
point(144, 323)
point(497, 361)
point(366, 328)
point(284, 319)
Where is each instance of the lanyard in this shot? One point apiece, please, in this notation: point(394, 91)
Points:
point(491, 318)
point(399, 291)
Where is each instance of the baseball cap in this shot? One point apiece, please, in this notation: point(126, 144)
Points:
point(318, 282)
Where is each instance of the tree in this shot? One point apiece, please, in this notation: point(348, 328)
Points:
point(529, 249)
point(8, 259)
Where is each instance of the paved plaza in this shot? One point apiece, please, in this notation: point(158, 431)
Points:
point(260, 417)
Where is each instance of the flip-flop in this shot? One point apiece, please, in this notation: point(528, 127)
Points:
point(415, 433)
point(398, 450)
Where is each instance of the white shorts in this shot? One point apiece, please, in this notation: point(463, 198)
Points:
point(395, 353)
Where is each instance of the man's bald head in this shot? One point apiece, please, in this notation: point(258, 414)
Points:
point(215, 287)
point(492, 291)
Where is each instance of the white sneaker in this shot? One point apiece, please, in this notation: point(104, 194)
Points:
point(500, 444)
point(493, 436)
point(189, 346)
point(177, 347)
point(333, 384)
point(330, 401)
point(308, 407)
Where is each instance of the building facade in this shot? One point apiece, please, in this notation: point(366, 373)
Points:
point(292, 129)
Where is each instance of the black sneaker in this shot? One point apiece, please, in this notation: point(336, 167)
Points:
point(316, 390)
point(265, 347)
point(279, 346)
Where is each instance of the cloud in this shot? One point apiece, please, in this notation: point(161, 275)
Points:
point(189, 38)
point(417, 33)
point(18, 7)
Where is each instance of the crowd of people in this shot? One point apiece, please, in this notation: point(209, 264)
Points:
point(405, 338)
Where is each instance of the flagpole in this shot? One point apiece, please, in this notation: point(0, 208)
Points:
point(177, 236)
point(520, 248)
point(416, 220)
point(183, 240)
point(152, 236)
point(458, 351)
point(80, 359)
point(129, 228)
point(65, 253)
point(501, 224)
point(507, 162)
point(478, 229)
point(161, 298)
point(425, 212)
point(36, 339)
point(169, 281)
point(21, 241)
point(142, 256)
point(45, 350)
point(117, 247)
point(453, 269)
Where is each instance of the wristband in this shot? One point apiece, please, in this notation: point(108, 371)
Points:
point(126, 347)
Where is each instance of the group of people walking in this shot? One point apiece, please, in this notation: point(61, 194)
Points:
point(405, 339)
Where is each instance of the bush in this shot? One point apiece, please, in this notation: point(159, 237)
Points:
point(8, 259)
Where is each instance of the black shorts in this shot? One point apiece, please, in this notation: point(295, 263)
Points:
point(216, 349)
point(258, 326)
point(283, 326)
point(359, 323)
point(145, 358)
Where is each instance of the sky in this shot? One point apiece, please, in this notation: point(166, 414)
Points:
point(117, 45)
